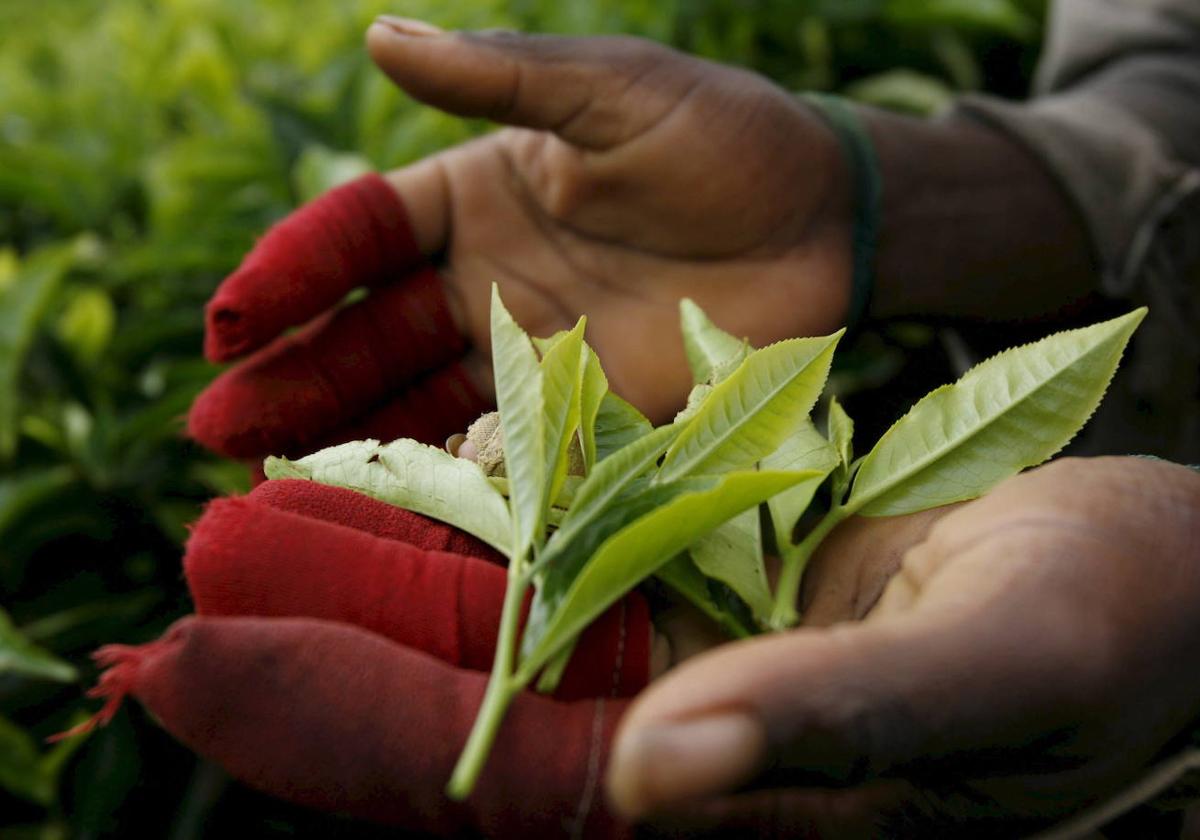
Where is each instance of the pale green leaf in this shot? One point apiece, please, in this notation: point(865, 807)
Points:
point(545, 345)
point(709, 349)
point(639, 549)
point(21, 657)
point(1012, 411)
point(562, 375)
point(618, 424)
point(591, 395)
point(751, 413)
point(841, 431)
point(558, 567)
point(411, 475)
point(520, 400)
point(804, 449)
point(841, 435)
point(733, 554)
point(608, 481)
point(696, 398)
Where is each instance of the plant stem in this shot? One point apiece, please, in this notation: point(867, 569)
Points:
point(502, 687)
point(795, 559)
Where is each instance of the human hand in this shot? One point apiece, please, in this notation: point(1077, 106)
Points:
point(340, 653)
point(1019, 657)
point(634, 176)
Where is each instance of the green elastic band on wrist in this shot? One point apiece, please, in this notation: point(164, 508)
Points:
point(852, 135)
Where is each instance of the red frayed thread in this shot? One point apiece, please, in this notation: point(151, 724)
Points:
point(121, 666)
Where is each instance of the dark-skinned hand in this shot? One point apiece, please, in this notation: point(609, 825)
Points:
point(979, 670)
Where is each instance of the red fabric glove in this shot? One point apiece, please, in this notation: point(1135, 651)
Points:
point(387, 366)
point(339, 658)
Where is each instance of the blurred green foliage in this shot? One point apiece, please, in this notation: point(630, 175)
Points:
point(143, 146)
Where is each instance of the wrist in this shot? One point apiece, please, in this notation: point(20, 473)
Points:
point(971, 225)
point(859, 201)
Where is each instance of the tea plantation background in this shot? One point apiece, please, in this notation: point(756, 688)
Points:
point(143, 146)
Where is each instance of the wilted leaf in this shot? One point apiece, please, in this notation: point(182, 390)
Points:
point(411, 475)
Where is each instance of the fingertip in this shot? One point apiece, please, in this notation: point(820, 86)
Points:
point(660, 765)
point(225, 336)
point(357, 234)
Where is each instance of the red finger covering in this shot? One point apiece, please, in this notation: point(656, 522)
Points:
point(345, 507)
point(337, 718)
point(303, 386)
point(247, 557)
point(429, 410)
point(355, 235)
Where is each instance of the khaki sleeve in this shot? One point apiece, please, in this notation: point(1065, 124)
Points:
point(1116, 121)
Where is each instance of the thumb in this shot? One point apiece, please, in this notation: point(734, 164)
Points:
point(575, 87)
point(843, 705)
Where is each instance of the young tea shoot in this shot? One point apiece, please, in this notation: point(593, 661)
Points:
point(681, 501)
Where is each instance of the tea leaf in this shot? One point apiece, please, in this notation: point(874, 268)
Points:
point(639, 549)
point(611, 477)
point(558, 568)
point(841, 431)
point(591, 395)
point(618, 424)
point(562, 374)
point(749, 415)
point(733, 554)
point(696, 398)
point(709, 348)
point(21, 657)
point(545, 345)
point(841, 435)
point(605, 502)
point(420, 478)
point(1012, 411)
point(520, 399)
point(804, 449)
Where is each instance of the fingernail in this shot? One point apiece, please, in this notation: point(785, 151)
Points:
point(660, 765)
point(409, 26)
point(468, 451)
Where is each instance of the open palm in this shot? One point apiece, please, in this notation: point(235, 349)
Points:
point(630, 176)
point(643, 176)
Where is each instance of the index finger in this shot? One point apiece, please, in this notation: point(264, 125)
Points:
point(363, 233)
